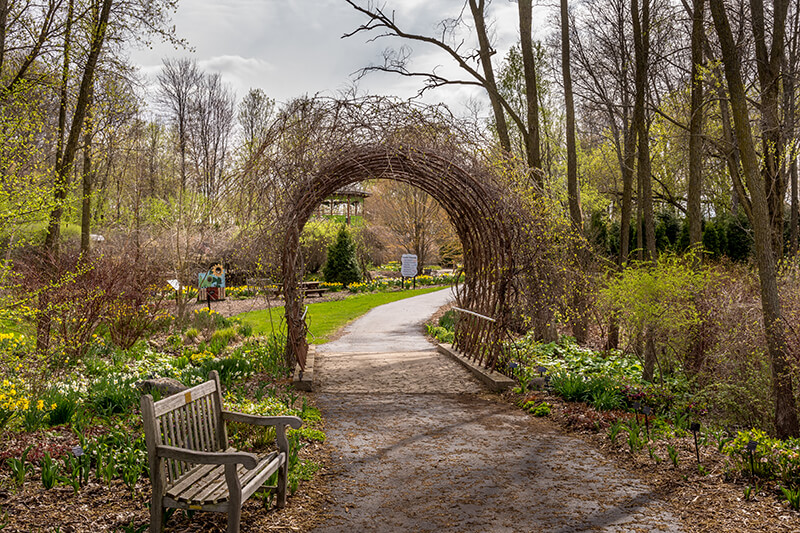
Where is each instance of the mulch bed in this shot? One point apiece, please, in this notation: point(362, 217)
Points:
point(709, 501)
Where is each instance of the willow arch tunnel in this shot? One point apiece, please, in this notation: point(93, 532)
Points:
point(472, 200)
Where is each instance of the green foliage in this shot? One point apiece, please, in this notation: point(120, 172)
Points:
point(50, 470)
point(191, 334)
point(448, 320)
point(613, 430)
point(342, 263)
point(221, 338)
point(537, 409)
point(660, 298)
point(20, 467)
point(451, 254)
point(673, 455)
point(441, 334)
point(63, 406)
point(772, 458)
point(635, 440)
point(792, 496)
point(317, 237)
point(566, 355)
point(113, 394)
point(571, 387)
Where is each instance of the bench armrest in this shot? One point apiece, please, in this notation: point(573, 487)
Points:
point(248, 460)
point(292, 421)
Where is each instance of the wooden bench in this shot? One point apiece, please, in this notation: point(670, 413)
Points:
point(191, 465)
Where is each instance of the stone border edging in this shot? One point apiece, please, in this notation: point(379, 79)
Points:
point(304, 381)
point(496, 381)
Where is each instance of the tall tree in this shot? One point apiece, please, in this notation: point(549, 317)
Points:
point(532, 141)
point(786, 421)
point(398, 61)
point(178, 81)
point(696, 125)
point(641, 39)
point(573, 187)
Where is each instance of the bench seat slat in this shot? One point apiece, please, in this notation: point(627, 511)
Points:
point(205, 484)
point(182, 483)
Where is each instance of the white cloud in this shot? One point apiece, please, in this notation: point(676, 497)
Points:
point(294, 47)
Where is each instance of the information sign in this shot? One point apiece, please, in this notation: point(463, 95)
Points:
point(408, 265)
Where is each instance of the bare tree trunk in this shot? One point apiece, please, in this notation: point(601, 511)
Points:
point(573, 188)
point(4, 9)
point(532, 141)
point(477, 7)
point(786, 422)
point(86, 199)
point(627, 192)
point(579, 326)
point(641, 31)
point(794, 208)
point(51, 242)
point(696, 128)
point(770, 62)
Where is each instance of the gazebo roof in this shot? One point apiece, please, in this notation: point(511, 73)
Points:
point(354, 189)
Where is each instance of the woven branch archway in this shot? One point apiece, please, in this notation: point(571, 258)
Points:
point(471, 203)
point(321, 145)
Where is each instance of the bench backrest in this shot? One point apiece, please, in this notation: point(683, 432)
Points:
point(190, 419)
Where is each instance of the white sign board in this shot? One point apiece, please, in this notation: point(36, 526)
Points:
point(174, 284)
point(408, 265)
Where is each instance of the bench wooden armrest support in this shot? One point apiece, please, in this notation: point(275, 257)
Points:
point(248, 460)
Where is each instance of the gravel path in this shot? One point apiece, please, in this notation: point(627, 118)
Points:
point(418, 446)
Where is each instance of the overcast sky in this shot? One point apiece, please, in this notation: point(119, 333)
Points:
point(290, 48)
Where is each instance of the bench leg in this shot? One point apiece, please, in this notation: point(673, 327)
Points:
point(234, 498)
point(156, 516)
point(282, 482)
point(234, 517)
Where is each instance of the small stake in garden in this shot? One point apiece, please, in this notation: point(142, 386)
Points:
point(694, 428)
point(646, 412)
point(751, 447)
point(636, 407)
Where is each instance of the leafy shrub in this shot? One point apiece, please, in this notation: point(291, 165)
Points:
point(771, 458)
point(661, 299)
point(441, 334)
point(571, 387)
point(537, 409)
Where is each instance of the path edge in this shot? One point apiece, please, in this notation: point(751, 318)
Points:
point(495, 381)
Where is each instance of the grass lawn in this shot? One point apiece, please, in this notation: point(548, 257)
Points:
point(325, 318)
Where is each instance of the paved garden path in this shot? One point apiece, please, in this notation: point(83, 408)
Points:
point(419, 446)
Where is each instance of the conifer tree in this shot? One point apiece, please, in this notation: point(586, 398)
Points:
point(342, 264)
